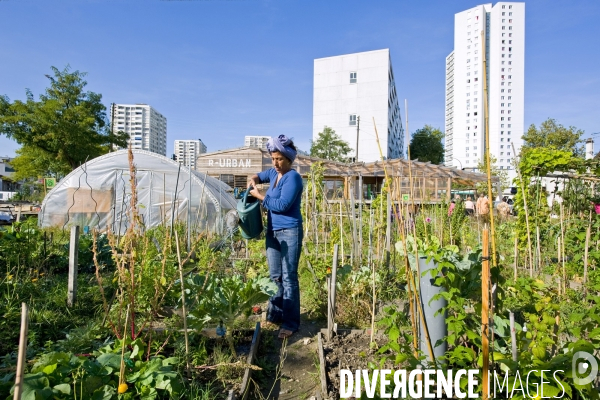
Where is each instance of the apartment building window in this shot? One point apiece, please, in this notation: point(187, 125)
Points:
point(352, 119)
point(352, 77)
point(508, 139)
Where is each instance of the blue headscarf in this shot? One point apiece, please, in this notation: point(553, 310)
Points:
point(281, 144)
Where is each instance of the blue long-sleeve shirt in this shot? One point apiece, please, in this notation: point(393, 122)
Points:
point(282, 200)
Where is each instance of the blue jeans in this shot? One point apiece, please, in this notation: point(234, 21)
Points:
point(283, 255)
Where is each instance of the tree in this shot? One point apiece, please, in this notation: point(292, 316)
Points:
point(66, 127)
point(330, 146)
point(502, 174)
point(426, 145)
point(554, 136)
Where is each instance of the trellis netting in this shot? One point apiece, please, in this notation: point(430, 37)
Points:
point(98, 195)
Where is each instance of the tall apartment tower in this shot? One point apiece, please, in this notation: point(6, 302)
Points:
point(503, 42)
point(353, 86)
point(256, 141)
point(187, 151)
point(146, 127)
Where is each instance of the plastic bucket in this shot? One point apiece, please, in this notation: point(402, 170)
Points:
point(248, 209)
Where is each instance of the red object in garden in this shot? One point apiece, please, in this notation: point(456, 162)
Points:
point(256, 310)
point(597, 208)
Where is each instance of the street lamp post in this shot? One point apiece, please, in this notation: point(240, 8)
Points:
point(461, 167)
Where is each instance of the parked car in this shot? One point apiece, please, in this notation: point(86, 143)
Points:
point(511, 203)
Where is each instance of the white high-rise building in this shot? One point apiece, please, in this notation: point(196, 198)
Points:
point(359, 86)
point(146, 127)
point(503, 27)
point(256, 141)
point(187, 151)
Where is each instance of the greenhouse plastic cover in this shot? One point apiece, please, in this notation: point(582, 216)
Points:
point(98, 195)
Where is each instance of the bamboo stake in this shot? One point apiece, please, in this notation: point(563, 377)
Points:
point(538, 249)
point(411, 276)
point(588, 233)
point(122, 368)
point(22, 355)
point(558, 260)
point(516, 255)
point(342, 233)
point(562, 235)
point(487, 154)
point(526, 216)
point(401, 219)
point(485, 293)
point(183, 307)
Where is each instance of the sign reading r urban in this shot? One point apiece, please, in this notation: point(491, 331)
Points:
point(230, 163)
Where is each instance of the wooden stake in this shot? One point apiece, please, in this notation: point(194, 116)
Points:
point(329, 309)
point(73, 261)
point(513, 336)
point(21, 360)
point(485, 293)
point(183, 307)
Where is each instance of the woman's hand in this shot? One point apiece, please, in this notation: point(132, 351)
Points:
point(256, 193)
point(253, 181)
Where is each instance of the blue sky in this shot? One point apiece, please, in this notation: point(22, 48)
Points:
point(222, 69)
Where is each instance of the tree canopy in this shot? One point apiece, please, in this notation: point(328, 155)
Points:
point(330, 146)
point(553, 135)
point(62, 130)
point(426, 145)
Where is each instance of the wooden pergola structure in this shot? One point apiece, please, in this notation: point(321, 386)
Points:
point(430, 182)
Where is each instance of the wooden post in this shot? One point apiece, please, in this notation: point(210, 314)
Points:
point(21, 360)
point(322, 366)
point(329, 309)
point(513, 335)
point(333, 289)
point(449, 189)
point(485, 292)
point(73, 261)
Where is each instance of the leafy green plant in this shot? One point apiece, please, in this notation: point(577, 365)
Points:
point(63, 375)
point(223, 299)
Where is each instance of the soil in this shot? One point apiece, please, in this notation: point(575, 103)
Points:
point(350, 351)
point(291, 370)
point(291, 366)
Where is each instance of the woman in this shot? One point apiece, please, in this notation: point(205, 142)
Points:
point(469, 207)
point(284, 232)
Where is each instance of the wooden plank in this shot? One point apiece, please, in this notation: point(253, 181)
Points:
point(250, 361)
point(322, 365)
